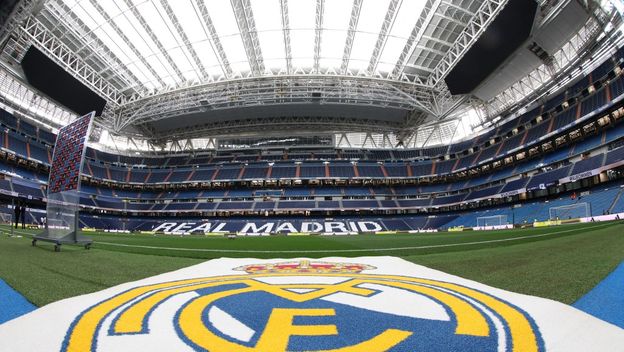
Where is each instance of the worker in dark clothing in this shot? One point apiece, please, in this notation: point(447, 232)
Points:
point(17, 212)
point(23, 214)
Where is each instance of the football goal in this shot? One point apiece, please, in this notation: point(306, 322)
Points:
point(494, 220)
point(572, 211)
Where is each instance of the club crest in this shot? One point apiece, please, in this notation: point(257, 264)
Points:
point(304, 305)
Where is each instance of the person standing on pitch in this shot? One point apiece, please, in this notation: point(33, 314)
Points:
point(23, 214)
point(17, 211)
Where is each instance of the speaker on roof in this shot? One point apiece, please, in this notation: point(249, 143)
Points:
point(52, 80)
point(509, 30)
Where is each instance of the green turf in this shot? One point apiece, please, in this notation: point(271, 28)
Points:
point(561, 263)
point(319, 246)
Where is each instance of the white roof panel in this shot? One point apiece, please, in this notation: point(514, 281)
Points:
point(164, 53)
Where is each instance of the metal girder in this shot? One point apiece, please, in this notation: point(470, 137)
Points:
point(431, 50)
point(353, 21)
point(215, 42)
point(458, 8)
point(450, 19)
point(338, 90)
point(247, 27)
point(47, 42)
point(185, 39)
point(391, 13)
point(19, 96)
point(21, 10)
point(136, 51)
point(286, 31)
point(419, 67)
point(77, 27)
point(422, 105)
point(275, 124)
point(413, 121)
point(419, 29)
point(569, 57)
point(318, 27)
point(479, 22)
point(417, 134)
point(437, 40)
point(444, 102)
point(343, 141)
point(414, 82)
point(137, 14)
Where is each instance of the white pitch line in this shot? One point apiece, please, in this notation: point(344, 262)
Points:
point(345, 250)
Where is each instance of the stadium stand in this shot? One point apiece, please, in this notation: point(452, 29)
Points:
point(445, 180)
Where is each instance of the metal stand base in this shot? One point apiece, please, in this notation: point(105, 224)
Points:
point(71, 238)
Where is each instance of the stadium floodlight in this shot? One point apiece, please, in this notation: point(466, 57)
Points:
point(571, 211)
point(493, 220)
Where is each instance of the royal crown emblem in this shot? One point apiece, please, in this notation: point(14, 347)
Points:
point(305, 266)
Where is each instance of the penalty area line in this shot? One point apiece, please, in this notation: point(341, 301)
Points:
point(352, 250)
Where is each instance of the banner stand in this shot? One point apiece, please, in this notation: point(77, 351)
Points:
point(63, 194)
point(74, 237)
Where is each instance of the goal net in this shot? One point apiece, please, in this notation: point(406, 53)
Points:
point(494, 220)
point(572, 211)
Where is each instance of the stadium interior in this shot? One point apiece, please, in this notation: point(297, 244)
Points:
point(567, 143)
point(243, 118)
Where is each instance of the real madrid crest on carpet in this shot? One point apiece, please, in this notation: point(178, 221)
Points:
point(331, 304)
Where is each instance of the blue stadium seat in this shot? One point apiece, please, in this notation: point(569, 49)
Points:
point(255, 172)
point(234, 205)
point(357, 191)
point(297, 192)
point(39, 152)
point(547, 178)
point(228, 173)
point(239, 193)
point(420, 169)
point(283, 171)
point(328, 191)
point(588, 164)
point(360, 204)
point(461, 146)
point(593, 102)
point(514, 185)
point(180, 206)
point(299, 204)
point(396, 170)
point(413, 203)
point(312, 170)
point(444, 167)
point(328, 204)
point(137, 175)
point(179, 175)
point(483, 193)
point(262, 206)
point(203, 175)
point(448, 199)
point(205, 206)
point(614, 156)
point(368, 170)
point(341, 170)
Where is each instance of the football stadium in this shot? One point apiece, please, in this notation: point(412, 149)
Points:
point(311, 175)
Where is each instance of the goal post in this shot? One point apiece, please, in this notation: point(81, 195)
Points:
point(493, 220)
point(572, 211)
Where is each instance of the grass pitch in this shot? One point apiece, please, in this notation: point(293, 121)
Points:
point(561, 263)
